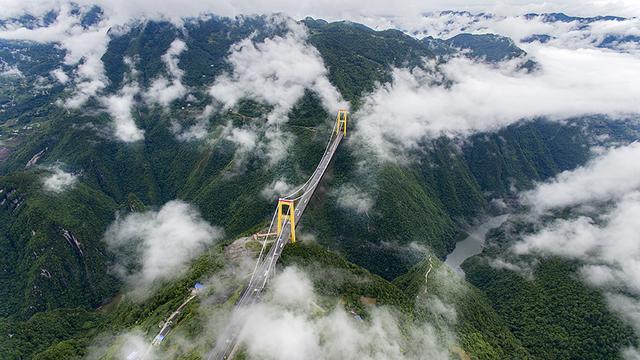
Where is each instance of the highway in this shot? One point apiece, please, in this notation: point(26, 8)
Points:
point(227, 342)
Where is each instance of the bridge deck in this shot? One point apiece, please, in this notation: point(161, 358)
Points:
point(228, 341)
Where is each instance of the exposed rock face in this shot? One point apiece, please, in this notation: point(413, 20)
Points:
point(73, 241)
point(11, 199)
point(35, 158)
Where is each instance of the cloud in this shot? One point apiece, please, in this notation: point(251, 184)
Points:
point(158, 245)
point(608, 249)
point(133, 343)
point(119, 106)
point(197, 131)
point(603, 237)
point(58, 180)
point(484, 97)
point(164, 91)
point(289, 324)
point(60, 76)
point(10, 71)
point(275, 189)
point(245, 138)
point(607, 245)
point(565, 34)
point(351, 198)
point(276, 72)
point(373, 11)
point(84, 48)
point(570, 34)
point(610, 175)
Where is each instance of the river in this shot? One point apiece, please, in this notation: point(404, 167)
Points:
point(473, 244)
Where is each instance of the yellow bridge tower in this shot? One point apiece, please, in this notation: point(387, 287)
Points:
point(341, 121)
point(291, 214)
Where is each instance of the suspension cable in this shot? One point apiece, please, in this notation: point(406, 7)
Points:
point(314, 172)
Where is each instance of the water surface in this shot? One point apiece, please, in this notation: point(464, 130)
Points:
point(473, 244)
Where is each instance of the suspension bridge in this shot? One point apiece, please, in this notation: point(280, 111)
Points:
point(285, 218)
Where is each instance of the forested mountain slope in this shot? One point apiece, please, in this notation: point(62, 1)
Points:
point(56, 265)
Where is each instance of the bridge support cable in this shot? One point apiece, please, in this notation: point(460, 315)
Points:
point(335, 130)
point(264, 246)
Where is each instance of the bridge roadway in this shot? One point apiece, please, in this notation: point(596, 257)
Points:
point(227, 342)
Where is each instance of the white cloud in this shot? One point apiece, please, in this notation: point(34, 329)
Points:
point(11, 72)
point(289, 325)
point(59, 180)
point(276, 145)
point(133, 345)
point(485, 97)
point(351, 198)
point(610, 175)
point(606, 244)
point(573, 34)
point(84, 48)
point(275, 189)
point(246, 139)
point(197, 131)
point(60, 76)
point(158, 245)
point(276, 72)
point(120, 106)
point(374, 11)
point(609, 245)
point(162, 90)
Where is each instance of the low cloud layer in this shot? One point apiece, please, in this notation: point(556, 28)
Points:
point(291, 325)
point(375, 11)
point(58, 180)
point(611, 175)
point(120, 107)
point(158, 245)
point(576, 77)
point(485, 97)
point(603, 235)
point(570, 33)
point(276, 72)
point(608, 244)
point(276, 189)
point(351, 198)
point(164, 90)
point(84, 49)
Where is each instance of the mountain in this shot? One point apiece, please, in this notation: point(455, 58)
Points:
point(489, 47)
point(60, 295)
point(548, 306)
point(561, 17)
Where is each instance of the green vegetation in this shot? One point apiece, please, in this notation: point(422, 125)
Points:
point(481, 332)
point(552, 312)
point(358, 56)
point(42, 266)
point(57, 296)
